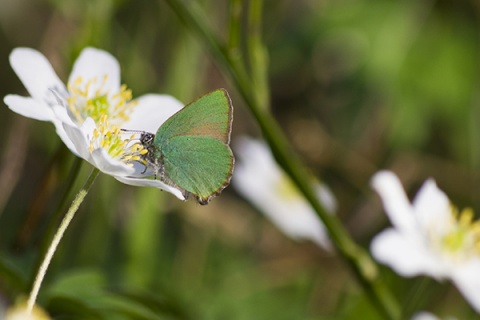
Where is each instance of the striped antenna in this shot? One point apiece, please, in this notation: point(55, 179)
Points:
point(133, 131)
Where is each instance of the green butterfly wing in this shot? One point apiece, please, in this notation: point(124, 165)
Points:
point(194, 146)
point(210, 116)
point(200, 165)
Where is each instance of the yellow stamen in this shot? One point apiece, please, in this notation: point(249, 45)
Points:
point(286, 189)
point(462, 240)
point(109, 137)
point(91, 98)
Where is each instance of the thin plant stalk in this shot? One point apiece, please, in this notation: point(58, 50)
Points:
point(257, 55)
point(234, 29)
point(57, 237)
point(363, 266)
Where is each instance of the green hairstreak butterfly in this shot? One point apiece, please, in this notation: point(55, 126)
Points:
point(191, 150)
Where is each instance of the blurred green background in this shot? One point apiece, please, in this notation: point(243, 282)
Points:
point(356, 85)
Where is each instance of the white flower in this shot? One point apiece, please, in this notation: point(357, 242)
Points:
point(259, 179)
point(429, 236)
point(21, 312)
point(423, 315)
point(90, 110)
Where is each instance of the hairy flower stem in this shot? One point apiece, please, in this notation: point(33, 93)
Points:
point(58, 236)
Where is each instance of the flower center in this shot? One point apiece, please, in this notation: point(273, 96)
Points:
point(462, 239)
point(109, 137)
point(286, 189)
point(91, 98)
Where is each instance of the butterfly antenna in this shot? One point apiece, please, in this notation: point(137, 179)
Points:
point(141, 132)
point(132, 131)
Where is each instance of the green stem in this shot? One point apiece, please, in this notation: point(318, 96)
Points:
point(234, 30)
point(362, 264)
point(232, 52)
point(258, 56)
point(190, 17)
point(57, 237)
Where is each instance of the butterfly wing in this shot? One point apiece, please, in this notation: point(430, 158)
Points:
point(194, 144)
point(210, 116)
point(200, 165)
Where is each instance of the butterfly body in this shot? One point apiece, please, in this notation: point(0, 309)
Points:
point(191, 150)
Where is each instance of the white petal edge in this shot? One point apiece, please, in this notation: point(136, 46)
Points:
point(35, 72)
point(326, 197)
point(256, 155)
point(256, 177)
point(152, 111)
point(29, 107)
point(59, 126)
point(394, 199)
point(79, 140)
point(432, 207)
point(406, 255)
point(99, 157)
point(103, 161)
point(95, 63)
point(294, 217)
point(467, 280)
point(423, 315)
point(61, 114)
point(151, 183)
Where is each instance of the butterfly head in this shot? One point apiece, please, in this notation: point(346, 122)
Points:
point(146, 139)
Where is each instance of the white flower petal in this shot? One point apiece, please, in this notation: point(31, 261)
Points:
point(432, 207)
point(79, 139)
point(256, 156)
point(326, 197)
point(257, 178)
point(96, 64)
point(424, 316)
point(61, 115)
point(20, 311)
point(36, 73)
point(37, 110)
point(59, 126)
point(151, 183)
point(294, 217)
point(29, 107)
point(395, 201)
point(467, 280)
point(80, 136)
point(152, 111)
point(103, 161)
point(406, 254)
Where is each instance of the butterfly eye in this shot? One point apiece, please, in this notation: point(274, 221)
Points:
point(146, 138)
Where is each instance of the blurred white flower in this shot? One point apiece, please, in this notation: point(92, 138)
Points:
point(90, 110)
point(20, 312)
point(429, 236)
point(423, 315)
point(260, 180)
